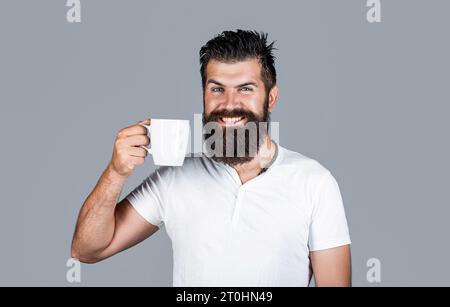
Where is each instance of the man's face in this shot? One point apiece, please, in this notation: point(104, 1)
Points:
point(232, 87)
point(235, 97)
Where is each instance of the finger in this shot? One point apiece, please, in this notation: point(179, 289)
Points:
point(137, 160)
point(137, 152)
point(132, 130)
point(145, 122)
point(137, 140)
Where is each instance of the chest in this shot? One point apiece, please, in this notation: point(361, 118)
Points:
point(266, 213)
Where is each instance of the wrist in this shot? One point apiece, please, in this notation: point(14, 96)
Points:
point(113, 175)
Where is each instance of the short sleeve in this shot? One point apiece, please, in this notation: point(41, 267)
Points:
point(328, 227)
point(149, 198)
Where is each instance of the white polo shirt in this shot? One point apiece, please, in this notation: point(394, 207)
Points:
point(225, 233)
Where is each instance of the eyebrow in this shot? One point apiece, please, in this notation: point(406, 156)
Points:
point(240, 85)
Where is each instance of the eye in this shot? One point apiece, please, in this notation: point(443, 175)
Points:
point(217, 89)
point(246, 89)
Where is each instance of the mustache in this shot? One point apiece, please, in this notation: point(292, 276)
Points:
point(216, 115)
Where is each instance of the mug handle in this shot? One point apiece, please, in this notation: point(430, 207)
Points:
point(149, 131)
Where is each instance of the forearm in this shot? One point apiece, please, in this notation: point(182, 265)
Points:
point(96, 221)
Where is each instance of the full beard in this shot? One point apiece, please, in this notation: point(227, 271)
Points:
point(235, 145)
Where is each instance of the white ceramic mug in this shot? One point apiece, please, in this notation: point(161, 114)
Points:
point(169, 140)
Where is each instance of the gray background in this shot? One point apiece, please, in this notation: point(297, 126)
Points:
point(369, 101)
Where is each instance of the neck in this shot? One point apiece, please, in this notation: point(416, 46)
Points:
point(251, 169)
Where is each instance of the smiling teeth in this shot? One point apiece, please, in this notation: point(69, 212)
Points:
point(231, 119)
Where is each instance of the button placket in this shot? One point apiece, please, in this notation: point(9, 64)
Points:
point(237, 207)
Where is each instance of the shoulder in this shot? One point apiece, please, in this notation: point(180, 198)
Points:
point(310, 176)
point(302, 165)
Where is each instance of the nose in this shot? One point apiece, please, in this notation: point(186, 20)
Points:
point(232, 100)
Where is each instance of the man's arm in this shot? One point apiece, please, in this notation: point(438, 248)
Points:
point(332, 267)
point(104, 228)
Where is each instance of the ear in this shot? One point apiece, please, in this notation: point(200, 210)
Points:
point(273, 97)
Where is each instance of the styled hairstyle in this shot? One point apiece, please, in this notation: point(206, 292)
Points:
point(241, 45)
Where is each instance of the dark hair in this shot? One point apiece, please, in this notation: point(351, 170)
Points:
point(240, 45)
